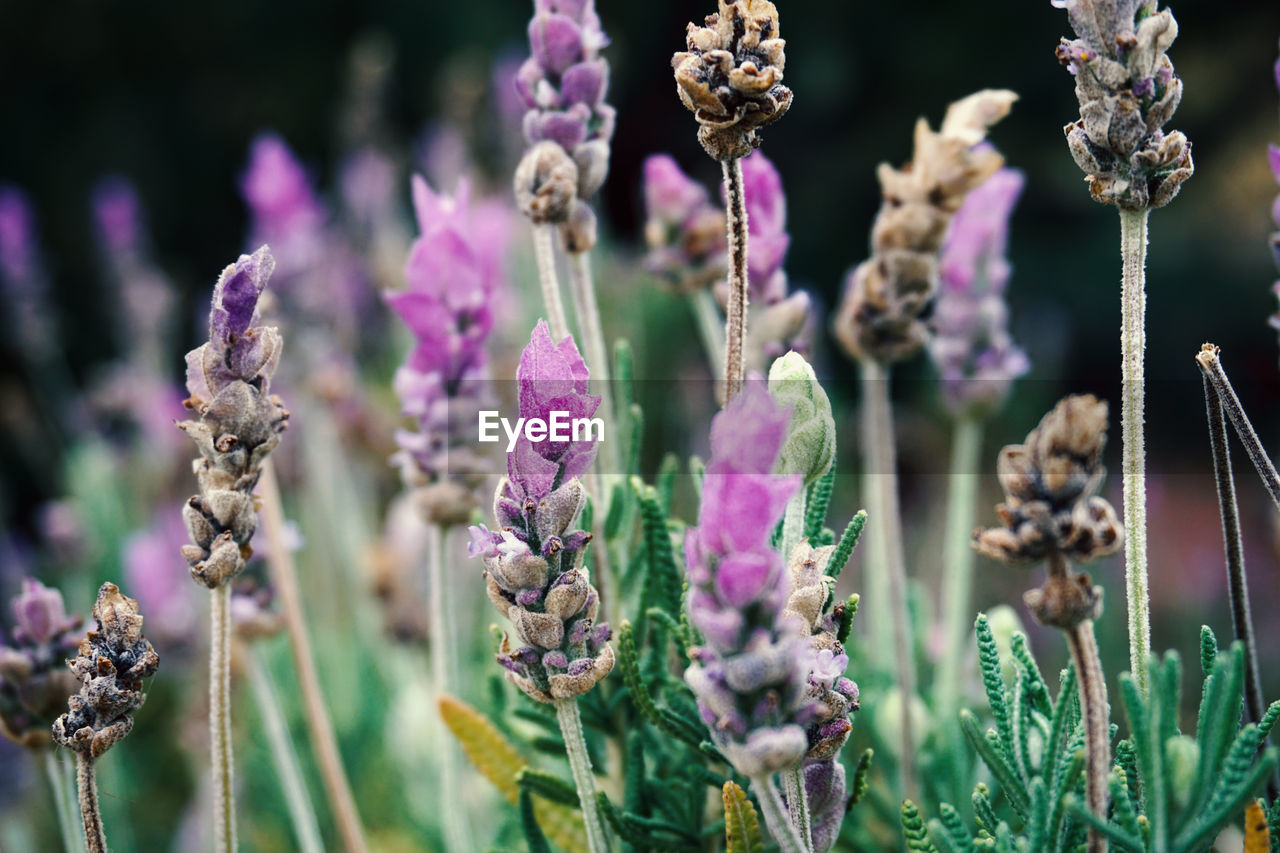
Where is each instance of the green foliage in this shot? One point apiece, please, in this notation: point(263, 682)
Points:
point(816, 503)
point(858, 788)
point(848, 541)
point(741, 825)
point(913, 829)
point(663, 583)
point(846, 618)
point(529, 823)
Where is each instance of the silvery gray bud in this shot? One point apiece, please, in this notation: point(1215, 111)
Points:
point(546, 183)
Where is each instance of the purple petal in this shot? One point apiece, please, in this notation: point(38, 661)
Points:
point(556, 41)
point(584, 82)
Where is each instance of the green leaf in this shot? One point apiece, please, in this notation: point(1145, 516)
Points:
point(1037, 691)
point(1113, 833)
point(914, 831)
point(662, 583)
point(1208, 824)
point(1208, 649)
point(548, 786)
point(848, 541)
point(1010, 784)
point(665, 481)
point(529, 823)
point(846, 618)
point(741, 824)
point(819, 498)
point(858, 788)
point(993, 682)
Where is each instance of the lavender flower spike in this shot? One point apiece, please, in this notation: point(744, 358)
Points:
point(749, 676)
point(240, 421)
point(1127, 91)
point(448, 305)
point(533, 562)
point(34, 681)
point(971, 346)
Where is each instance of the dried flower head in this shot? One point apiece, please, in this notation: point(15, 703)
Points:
point(888, 297)
point(240, 422)
point(731, 76)
point(111, 664)
point(1050, 481)
point(1127, 91)
point(34, 680)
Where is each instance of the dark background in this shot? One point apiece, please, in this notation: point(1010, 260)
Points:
point(170, 95)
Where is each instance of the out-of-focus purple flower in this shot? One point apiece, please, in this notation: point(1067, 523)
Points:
point(766, 226)
point(684, 231)
point(17, 234)
point(23, 286)
point(368, 183)
point(971, 347)
point(749, 678)
point(236, 350)
point(117, 215)
point(319, 278)
point(448, 306)
point(154, 570)
point(563, 86)
point(34, 679)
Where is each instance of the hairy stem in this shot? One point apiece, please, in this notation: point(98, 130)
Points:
point(292, 782)
point(220, 755)
point(775, 816)
point(62, 802)
point(95, 838)
point(881, 471)
point(1094, 711)
point(706, 316)
point(580, 763)
point(1212, 367)
point(962, 495)
point(444, 675)
point(1237, 582)
point(1133, 341)
point(544, 253)
point(284, 577)
point(798, 805)
point(735, 330)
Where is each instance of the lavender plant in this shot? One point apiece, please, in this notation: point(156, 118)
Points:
point(533, 562)
point(730, 77)
point(240, 422)
point(111, 664)
point(1127, 91)
point(882, 319)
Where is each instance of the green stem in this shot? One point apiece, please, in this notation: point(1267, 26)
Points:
point(775, 816)
point(735, 330)
point(95, 838)
point(324, 743)
point(881, 471)
point(706, 316)
point(221, 759)
point(292, 782)
point(453, 816)
point(962, 495)
point(793, 523)
point(1133, 255)
point(72, 840)
point(580, 763)
point(544, 253)
point(798, 805)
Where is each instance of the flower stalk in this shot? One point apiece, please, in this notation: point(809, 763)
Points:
point(735, 326)
point(580, 764)
point(962, 497)
point(284, 578)
point(776, 817)
point(1133, 253)
point(63, 801)
point(223, 764)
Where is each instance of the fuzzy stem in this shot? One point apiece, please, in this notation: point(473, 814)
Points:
point(580, 763)
point(706, 316)
point(1133, 341)
point(1094, 711)
point(95, 838)
point(1237, 581)
point(962, 495)
point(798, 805)
point(793, 523)
point(1212, 367)
point(444, 675)
point(292, 782)
point(221, 759)
point(881, 467)
point(72, 840)
point(735, 330)
point(284, 577)
point(775, 816)
point(545, 254)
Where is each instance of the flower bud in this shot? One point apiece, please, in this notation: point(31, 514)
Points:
point(810, 447)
